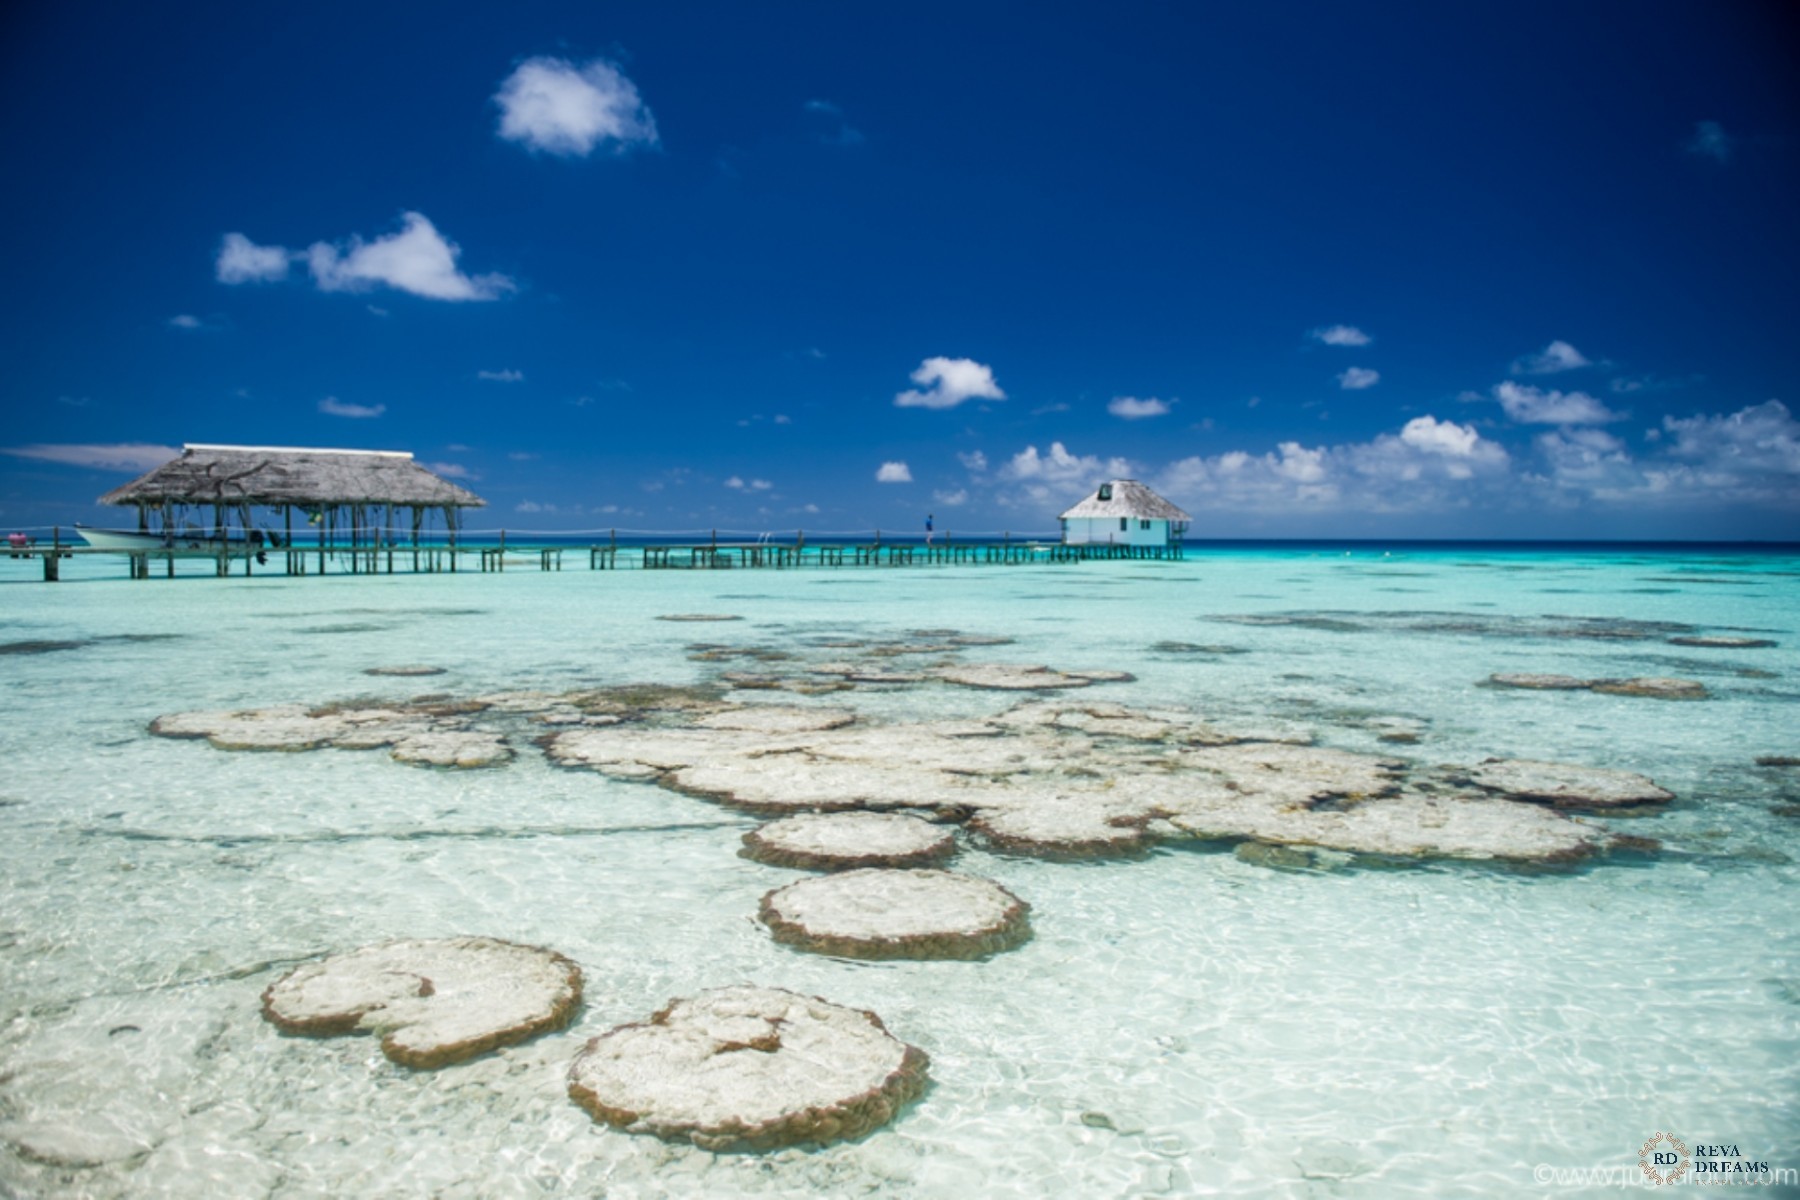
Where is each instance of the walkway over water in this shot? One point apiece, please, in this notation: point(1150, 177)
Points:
point(389, 558)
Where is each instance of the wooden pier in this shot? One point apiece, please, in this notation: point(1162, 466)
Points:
point(712, 555)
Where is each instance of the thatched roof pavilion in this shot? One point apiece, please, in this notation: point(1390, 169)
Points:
point(321, 483)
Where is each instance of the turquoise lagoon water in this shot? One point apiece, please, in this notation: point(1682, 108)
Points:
point(1185, 1023)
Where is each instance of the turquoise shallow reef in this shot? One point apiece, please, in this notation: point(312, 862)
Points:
point(1188, 1017)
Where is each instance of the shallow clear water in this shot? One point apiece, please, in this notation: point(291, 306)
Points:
point(1182, 1023)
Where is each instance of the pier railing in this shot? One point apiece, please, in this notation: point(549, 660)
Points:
point(504, 550)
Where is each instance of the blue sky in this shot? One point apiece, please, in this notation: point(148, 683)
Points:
point(1467, 270)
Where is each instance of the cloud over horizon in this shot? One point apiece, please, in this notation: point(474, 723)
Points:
point(1357, 379)
point(893, 472)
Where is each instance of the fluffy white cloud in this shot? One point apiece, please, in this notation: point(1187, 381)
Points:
point(186, 321)
point(331, 406)
point(241, 260)
point(450, 470)
point(1710, 141)
point(1749, 457)
point(974, 460)
point(948, 382)
point(1059, 466)
point(550, 104)
point(1534, 406)
point(1433, 436)
point(1133, 409)
point(418, 259)
point(893, 472)
point(952, 499)
point(738, 483)
point(115, 456)
point(1763, 439)
point(506, 376)
point(1428, 466)
point(1557, 356)
point(1342, 335)
point(1357, 378)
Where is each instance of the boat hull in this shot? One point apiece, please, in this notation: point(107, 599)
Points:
point(152, 543)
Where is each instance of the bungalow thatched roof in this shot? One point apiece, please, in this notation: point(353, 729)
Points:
point(1126, 498)
point(278, 475)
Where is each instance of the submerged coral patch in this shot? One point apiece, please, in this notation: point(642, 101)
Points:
point(1723, 642)
point(879, 913)
point(749, 1068)
point(434, 1002)
point(1654, 687)
point(849, 840)
point(1010, 677)
point(1566, 785)
point(1536, 682)
point(770, 718)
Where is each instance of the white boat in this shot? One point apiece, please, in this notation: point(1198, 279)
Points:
point(182, 545)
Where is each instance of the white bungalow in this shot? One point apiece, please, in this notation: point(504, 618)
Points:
point(1123, 512)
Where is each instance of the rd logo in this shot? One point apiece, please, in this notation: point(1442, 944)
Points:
point(1664, 1158)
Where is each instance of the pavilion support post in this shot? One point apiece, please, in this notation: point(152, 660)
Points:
point(415, 538)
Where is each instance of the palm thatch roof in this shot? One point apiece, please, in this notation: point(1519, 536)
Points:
point(277, 475)
point(1126, 498)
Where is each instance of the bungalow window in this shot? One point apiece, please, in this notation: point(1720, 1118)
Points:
point(1105, 492)
point(1143, 524)
point(1124, 524)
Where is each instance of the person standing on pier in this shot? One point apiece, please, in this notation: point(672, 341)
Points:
point(928, 529)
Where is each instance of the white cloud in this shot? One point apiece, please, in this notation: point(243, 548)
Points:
point(1131, 408)
point(752, 485)
point(952, 499)
point(521, 456)
point(974, 460)
point(331, 406)
point(506, 376)
point(450, 470)
point(1557, 356)
point(783, 419)
point(186, 321)
point(1433, 436)
point(1428, 466)
point(116, 456)
point(1534, 406)
point(1342, 335)
point(418, 259)
point(532, 506)
point(734, 482)
point(1059, 466)
point(550, 104)
point(1761, 439)
point(893, 472)
point(241, 260)
point(1710, 141)
point(948, 382)
point(1357, 378)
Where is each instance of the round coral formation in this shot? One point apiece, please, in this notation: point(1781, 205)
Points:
point(848, 840)
point(879, 914)
point(434, 1002)
point(748, 1068)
